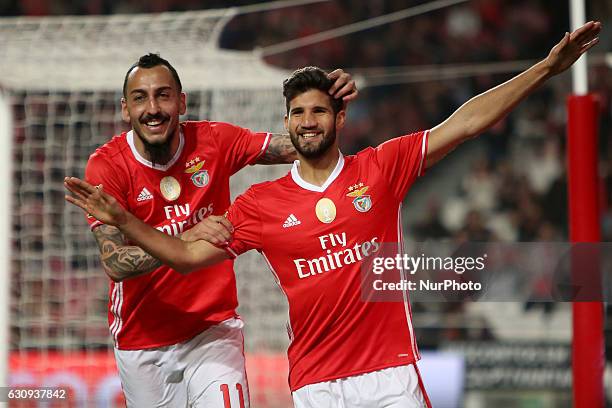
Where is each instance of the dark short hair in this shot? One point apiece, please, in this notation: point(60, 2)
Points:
point(151, 60)
point(305, 79)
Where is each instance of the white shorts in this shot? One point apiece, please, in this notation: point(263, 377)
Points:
point(206, 371)
point(395, 387)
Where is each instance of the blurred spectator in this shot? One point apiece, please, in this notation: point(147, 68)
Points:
point(431, 227)
point(543, 166)
point(480, 186)
point(474, 229)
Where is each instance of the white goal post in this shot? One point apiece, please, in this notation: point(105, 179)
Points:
point(6, 147)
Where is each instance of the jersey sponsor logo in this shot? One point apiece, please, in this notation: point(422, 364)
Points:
point(144, 195)
point(291, 221)
point(181, 218)
point(338, 253)
point(199, 176)
point(361, 202)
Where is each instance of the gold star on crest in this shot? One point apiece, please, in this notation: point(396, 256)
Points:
point(357, 190)
point(194, 165)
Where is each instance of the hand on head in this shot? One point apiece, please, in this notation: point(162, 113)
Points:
point(344, 86)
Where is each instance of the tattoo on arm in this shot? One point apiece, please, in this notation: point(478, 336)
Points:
point(279, 151)
point(120, 260)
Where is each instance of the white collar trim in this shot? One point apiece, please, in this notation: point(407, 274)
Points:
point(162, 167)
point(295, 175)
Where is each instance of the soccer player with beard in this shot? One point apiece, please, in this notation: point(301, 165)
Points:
point(315, 226)
point(178, 340)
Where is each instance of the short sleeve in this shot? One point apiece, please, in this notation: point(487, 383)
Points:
point(100, 171)
point(238, 146)
point(402, 160)
point(244, 216)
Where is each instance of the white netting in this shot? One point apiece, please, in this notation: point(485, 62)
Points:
point(64, 77)
point(93, 53)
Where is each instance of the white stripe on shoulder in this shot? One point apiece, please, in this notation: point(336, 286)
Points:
point(423, 152)
point(95, 224)
point(266, 143)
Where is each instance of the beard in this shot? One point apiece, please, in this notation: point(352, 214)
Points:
point(159, 152)
point(312, 151)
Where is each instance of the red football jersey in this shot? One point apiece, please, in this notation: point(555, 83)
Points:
point(314, 238)
point(164, 307)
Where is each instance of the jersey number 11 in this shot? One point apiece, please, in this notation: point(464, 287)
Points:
point(226, 395)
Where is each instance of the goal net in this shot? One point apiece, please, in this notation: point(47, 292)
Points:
point(63, 77)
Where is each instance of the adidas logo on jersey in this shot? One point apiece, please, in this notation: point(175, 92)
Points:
point(291, 221)
point(144, 195)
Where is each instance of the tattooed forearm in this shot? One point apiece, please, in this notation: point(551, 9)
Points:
point(279, 151)
point(122, 261)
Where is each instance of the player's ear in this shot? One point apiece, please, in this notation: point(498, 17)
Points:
point(287, 123)
point(183, 103)
point(125, 115)
point(340, 119)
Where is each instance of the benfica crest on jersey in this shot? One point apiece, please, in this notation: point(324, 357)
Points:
point(361, 202)
point(199, 176)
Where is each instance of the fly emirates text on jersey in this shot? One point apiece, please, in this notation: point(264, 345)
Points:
point(181, 218)
point(337, 254)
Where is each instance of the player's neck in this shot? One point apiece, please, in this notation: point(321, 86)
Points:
point(317, 170)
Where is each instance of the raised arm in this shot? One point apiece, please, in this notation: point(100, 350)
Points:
point(179, 255)
point(280, 150)
point(484, 110)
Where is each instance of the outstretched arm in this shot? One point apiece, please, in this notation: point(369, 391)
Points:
point(179, 255)
point(483, 111)
point(120, 260)
point(280, 150)
point(123, 261)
